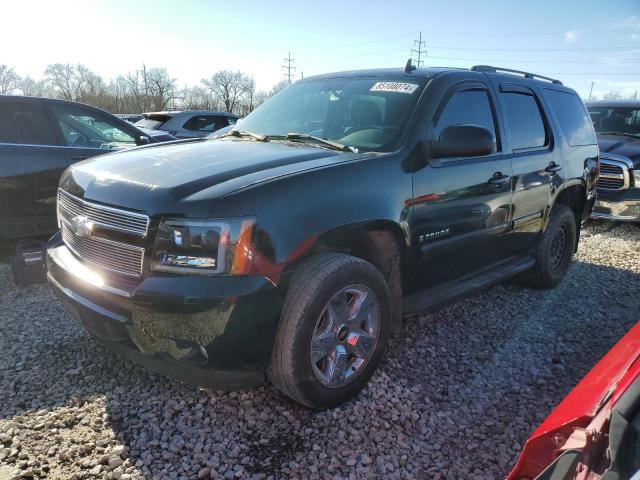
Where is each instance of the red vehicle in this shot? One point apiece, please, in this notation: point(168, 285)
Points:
point(595, 431)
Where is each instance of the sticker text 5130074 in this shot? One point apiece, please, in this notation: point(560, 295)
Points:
point(399, 87)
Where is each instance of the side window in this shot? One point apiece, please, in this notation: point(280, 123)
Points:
point(85, 129)
point(466, 107)
point(24, 123)
point(572, 116)
point(232, 120)
point(204, 123)
point(524, 120)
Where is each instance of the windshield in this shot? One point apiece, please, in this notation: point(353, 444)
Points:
point(365, 113)
point(616, 119)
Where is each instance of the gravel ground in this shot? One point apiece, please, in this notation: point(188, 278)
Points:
point(459, 392)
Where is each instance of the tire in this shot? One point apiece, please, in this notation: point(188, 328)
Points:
point(554, 251)
point(310, 320)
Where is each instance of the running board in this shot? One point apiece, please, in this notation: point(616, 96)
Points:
point(433, 297)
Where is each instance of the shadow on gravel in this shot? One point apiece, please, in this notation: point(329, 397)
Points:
point(480, 373)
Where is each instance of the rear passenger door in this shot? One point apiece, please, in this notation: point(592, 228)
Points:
point(461, 206)
point(30, 167)
point(536, 164)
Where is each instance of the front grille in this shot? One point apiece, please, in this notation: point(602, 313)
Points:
point(114, 256)
point(110, 218)
point(614, 175)
point(118, 257)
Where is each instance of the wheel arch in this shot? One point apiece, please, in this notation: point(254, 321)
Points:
point(381, 242)
point(574, 196)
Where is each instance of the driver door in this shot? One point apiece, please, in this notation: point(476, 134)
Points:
point(85, 132)
point(462, 205)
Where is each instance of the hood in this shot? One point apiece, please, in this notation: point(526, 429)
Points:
point(187, 177)
point(620, 145)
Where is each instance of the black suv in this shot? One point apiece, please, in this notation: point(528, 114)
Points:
point(39, 139)
point(292, 245)
point(617, 125)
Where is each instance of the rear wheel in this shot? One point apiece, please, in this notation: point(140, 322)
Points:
point(333, 331)
point(554, 252)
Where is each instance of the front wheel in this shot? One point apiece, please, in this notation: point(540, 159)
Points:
point(334, 327)
point(554, 252)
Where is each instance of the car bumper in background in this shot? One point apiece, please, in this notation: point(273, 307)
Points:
point(214, 332)
point(624, 210)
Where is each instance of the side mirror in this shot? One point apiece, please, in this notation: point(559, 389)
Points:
point(462, 141)
point(143, 140)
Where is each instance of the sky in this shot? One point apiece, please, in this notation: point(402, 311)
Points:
point(576, 41)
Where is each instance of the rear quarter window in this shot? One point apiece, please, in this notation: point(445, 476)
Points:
point(24, 123)
point(572, 116)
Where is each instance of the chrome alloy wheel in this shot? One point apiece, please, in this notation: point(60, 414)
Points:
point(345, 336)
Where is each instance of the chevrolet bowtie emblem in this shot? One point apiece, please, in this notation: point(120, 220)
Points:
point(81, 226)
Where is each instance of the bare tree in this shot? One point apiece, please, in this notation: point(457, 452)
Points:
point(160, 87)
point(612, 95)
point(62, 79)
point(278, 86)
point(228, 87)
point(34, 88)
point(9, 80)
point(141, 90)
point(196, 98)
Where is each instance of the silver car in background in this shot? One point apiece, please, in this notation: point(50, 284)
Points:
point(188, 123)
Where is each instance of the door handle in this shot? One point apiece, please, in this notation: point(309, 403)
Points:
point(553, 167)
point(79, 157)
point(498, 179)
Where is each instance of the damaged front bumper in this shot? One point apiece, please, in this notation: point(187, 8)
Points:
point(214, 332)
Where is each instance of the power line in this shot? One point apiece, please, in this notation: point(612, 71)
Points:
point(604, 61)
point(288, 60)
point(571, 49)
point(420, 43)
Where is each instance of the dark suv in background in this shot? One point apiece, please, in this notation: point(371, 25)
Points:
point(617, 125)
point(188, 123)
point(39, 139)
point(292, 245)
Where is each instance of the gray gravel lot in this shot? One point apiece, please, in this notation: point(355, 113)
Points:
point(459, 392)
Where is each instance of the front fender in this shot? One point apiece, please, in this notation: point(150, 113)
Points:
point(295, 211)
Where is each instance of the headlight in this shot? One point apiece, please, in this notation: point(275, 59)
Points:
point(205, 247)
point(636, 178)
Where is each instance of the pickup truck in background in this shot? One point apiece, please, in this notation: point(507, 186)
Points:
point(617, 125)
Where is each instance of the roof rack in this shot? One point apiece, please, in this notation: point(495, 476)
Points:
point(533, 76)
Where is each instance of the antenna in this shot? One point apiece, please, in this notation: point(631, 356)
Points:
point(408, 68)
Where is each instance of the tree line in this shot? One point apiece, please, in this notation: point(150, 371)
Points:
point(143, 90)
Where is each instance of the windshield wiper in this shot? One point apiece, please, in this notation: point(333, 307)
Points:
point(624, 134)
point(245, 133)
point(320, 141)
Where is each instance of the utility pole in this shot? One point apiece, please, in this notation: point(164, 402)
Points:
point(591, 91)
point(288, 67)
point(420, 50)
point(635, 96)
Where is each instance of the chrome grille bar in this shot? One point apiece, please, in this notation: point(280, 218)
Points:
point(109, 218)
point(115, 256)
point(614, 175)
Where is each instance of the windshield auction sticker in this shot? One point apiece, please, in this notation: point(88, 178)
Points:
point(393, 87)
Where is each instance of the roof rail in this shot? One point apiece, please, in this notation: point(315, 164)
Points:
point(489, 68)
